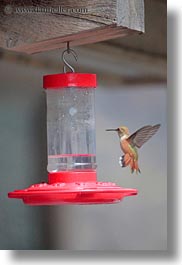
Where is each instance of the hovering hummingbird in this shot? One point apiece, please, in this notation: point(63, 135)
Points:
point(129, 144)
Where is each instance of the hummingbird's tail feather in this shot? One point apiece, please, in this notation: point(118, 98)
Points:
point(127, 160)
point(134, 166)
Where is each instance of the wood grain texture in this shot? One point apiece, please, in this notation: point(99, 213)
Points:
point(130, 14)
point(35, 26)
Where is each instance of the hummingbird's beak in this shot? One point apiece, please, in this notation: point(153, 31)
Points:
point(109, 130)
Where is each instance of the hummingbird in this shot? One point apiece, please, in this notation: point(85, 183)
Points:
point(130, 143)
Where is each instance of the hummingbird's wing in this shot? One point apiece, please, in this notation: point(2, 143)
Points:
point(142, 135)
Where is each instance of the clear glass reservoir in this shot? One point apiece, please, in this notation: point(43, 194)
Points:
point(71, 122)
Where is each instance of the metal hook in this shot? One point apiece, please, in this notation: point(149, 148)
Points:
point(66, 64)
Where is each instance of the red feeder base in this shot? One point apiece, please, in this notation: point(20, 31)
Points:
point(72, 193)
point(63, 190)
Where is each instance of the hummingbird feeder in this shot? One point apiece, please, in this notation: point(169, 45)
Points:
point(72, 177)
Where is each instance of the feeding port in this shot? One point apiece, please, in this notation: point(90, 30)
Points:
point(72, 177)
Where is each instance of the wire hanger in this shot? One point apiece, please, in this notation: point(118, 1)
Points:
point(66, 64)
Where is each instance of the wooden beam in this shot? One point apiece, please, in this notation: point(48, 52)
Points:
point(34, 26)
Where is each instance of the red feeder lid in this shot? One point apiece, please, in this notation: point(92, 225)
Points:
point(57, 81)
